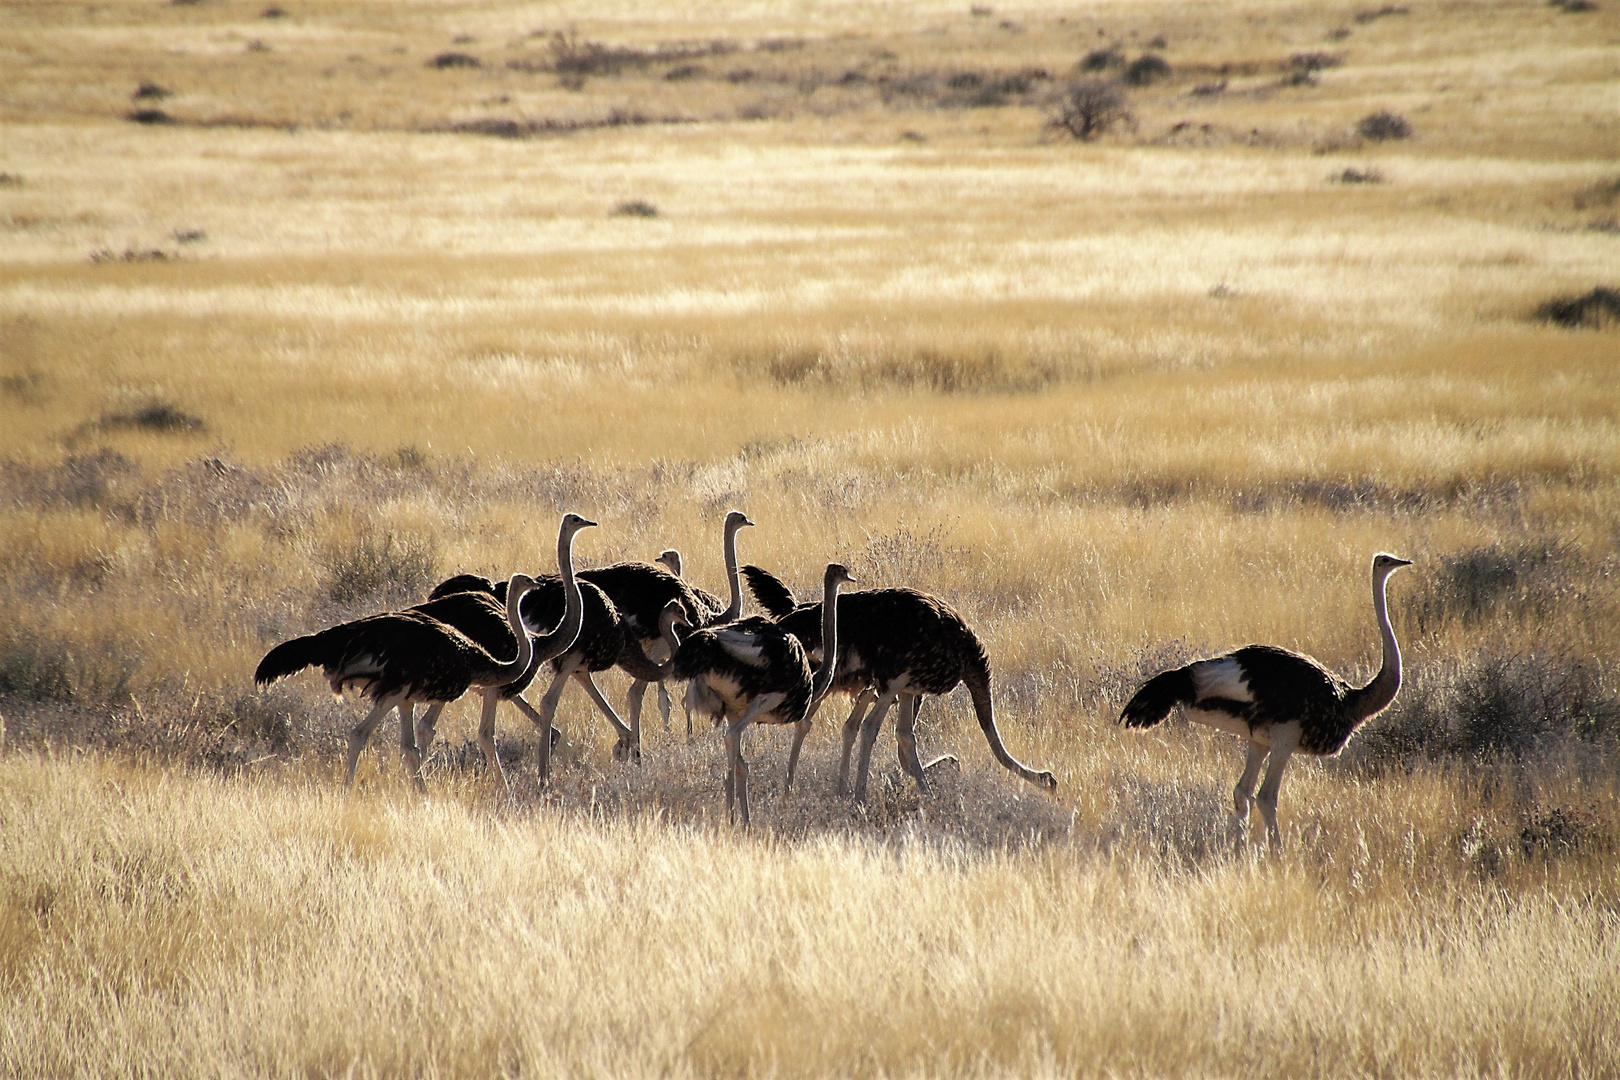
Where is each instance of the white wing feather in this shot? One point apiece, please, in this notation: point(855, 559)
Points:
point(741, 646)
point(1220, 678)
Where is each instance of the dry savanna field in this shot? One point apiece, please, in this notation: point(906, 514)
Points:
point(305, 305)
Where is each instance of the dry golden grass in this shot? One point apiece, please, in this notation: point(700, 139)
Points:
point(1120, 402)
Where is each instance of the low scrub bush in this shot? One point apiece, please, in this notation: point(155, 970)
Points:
point(163, 417)
point(1146, 70)
point(1595, 310)
point(1359, 176)
point(1494, 705)
point(636, 208)
point(376, 566)
point(1384, 125)
point(454, 60)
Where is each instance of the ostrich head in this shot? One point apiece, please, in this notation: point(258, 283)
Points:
point(673, 619)
point(572, 523)
point(839, 573)
point(519, 584)
point(670, 560)
point(1386, 564)
point(736, 520)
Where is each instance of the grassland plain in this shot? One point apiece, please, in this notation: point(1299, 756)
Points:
point(303, 306)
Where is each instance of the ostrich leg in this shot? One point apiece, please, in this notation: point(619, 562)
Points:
point(869, 733)
point(1243, 795)
point(362, 731)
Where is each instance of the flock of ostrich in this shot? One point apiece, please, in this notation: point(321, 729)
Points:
point(886, 648)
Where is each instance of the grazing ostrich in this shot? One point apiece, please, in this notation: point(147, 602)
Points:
point(400, 659)
point(897, 646)
point(641, 591)
point(759, 673)
point(1279, 701)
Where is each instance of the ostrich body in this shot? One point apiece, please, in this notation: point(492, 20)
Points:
point(602, 641)
point(895, 646)
point(405, 658)
point(399, 660)
point(759, 673)
point(1280, 702)
point(642, 590)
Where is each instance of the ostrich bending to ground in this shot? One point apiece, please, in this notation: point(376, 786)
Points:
point(1277, 700)
point(641, 590)
point(759, 673)
point(897, 645)
point(399, 660)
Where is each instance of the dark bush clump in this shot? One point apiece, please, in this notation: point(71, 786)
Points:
point(1102, 60)
point(454, 60)
point(1359, 176)
point(1558, 831)
point(1384, 125)
point(1496, 705)
point(1314, 61)
point(381, 566)
point(1146, 69)
point(635, 208)
point(150, 116)
point(1595, 310)
point(1574, 6)
point(35, 670)
point(158, 416)
point(1387, 10)
point(1089, 107)
point(149, 92)
point(1597, 195)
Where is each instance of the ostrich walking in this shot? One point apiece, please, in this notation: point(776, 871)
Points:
point(1279, 701)
point(602, 641)
point(641, 591)
point(897, 646)
point(399, 660)
point(475, 606)
point(759, 673)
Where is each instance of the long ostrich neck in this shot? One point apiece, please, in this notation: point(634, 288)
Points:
point(562, 639)
point(829, 640)
point(733, 579)
point(1373, 698)
point(509, 672)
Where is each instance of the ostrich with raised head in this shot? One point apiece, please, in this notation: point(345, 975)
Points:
point(758, 673)
point(406, 658)
point(1279, 702)
point(602, 641)
point(896, 646)
point(641, 590)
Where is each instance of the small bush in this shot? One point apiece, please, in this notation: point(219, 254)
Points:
point(1601, 194)
point(1494, 705)
point(189, 236)
point(35, 670)
point(1359, 176)
point(1314, 61)
point(1384, 125)
point(1384, 12)
point(682, 72)
point(1573, 6)
point(1146, 69)
point(163, 417)
point(1558, 831)
point(149, 116)
point(273, 12)
point(149, 92)
point(1595, 310)
point(635, 208)
point(454, 60)
point(1102, 60)
point(381, 566)
point(1090, 107)
point(10, 180)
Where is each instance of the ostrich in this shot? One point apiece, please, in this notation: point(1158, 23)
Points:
point(897, 646)
point(602, 641)
point(760, 674)
point(1279, 701)
point(401, 659)
point(641, 590)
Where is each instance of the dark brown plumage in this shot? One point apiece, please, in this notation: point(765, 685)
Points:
point(756, 672)
point(895, 645)
point(1280, 702)
point(399, 660)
